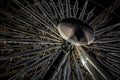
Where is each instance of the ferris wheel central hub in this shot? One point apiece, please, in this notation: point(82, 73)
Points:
point(76, 31)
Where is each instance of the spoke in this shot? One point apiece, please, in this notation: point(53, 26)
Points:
point(90, 14)
point(87, 65)
point(113, 33)
point(67, 69)
point(78, 72)
point(92, 65)
point(23, 31)
point(13, 34)
point(56, 66)
point(104, 15)
point(24, 61)
point(26, 41)
point(50, 39)
point(38, 17)
point(56, 11)
point(108, 56)
point(115, 54)
point(30, 24)
point(9, 33)
point(107, 40)
point(58, 77)
point(108, 48)
point(48, 7)
point(9, 73)
point(68, 9)
point(75, 9)
point(48, 33)
point(106, 22)
point(109, 66)
point(81, 16)
point(48, 16)
point(78, 69)
point(103, 30)
point(31, 67)
point(38, 74)
point(61, 7)
point(114, 63)
point(28, 52)
point(11, 48)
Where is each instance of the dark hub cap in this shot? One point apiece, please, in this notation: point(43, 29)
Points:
point(76, 32)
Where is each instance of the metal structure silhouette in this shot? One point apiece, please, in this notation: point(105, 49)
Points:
point(57, 40)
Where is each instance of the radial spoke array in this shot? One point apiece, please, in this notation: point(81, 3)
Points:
point(31, 47)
